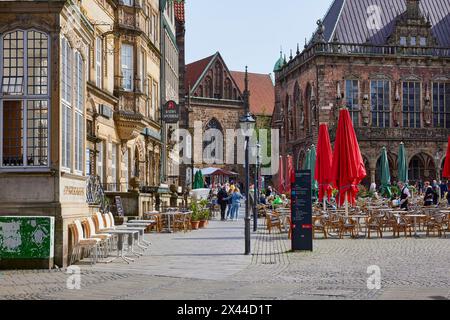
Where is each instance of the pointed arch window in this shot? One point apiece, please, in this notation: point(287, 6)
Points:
point(218, 76)
point(208, 87)
point(228, 89)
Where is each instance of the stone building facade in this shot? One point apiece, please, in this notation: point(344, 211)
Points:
point(83, 78)
point(391, 70)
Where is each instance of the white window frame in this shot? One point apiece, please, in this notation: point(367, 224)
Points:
point(24, 98)
point(114, 166)
point(79, 75)
point(67, 68)
point(99, 62)
point(127, 66)
point(99, 161)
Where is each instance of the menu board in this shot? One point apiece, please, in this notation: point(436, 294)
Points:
point(119, 206)
point(302, 212)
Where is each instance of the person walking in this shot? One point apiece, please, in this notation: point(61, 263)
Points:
point(221, 196)
point(436, 193)
point(235, 198)
point(404, 195)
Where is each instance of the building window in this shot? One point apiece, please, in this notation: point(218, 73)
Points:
point(66, 83)
point(423, 41)
point(99, 62)
point(129, 3)
point(114, 167)
point(127, 67)
point(79, 112)
point(352, 96)
point(141, 70)
point(228, 89)
point(126, 170)
point(88, 162)
point(380, 103)
point(413, 41)
point(441, 105)
point(99, 161)
point(154, 100)
point(411, 104)
point(24, 109)
point(403, 41)
point(208, 87)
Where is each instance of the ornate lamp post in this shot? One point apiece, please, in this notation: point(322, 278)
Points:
point(247, 124)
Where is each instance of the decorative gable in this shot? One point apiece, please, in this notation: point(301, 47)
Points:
point(216, 82)
point(412, 29)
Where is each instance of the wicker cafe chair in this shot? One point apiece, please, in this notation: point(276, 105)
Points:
point(273, 220)
point(347, 224)
point(375, 223)
point(320, 224)
point(403, 224)
point(179, 222)
point(437, 223)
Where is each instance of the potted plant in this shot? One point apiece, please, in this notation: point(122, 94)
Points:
point(195, 218)
point(203, 213)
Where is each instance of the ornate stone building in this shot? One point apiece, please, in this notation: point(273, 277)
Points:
point(215, 99)
point(388, 62)
point(80, 97)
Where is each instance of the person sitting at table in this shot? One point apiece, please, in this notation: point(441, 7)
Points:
point(404, 195)
point(429, 194)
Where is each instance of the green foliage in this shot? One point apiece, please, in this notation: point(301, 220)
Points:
point(200, 210)
point(395, 191)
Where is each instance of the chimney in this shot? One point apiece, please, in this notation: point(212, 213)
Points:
point(413, 9)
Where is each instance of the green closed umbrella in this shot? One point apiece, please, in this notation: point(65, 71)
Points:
point(307, 163)
point(385, 175)
point(402, 164)
point(312, 160)
point(198, 180)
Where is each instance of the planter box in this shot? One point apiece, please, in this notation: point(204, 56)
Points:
point(27, 242)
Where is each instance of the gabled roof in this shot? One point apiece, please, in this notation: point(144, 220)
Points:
point(195, 70)
point(347, 19)
point(262, 92)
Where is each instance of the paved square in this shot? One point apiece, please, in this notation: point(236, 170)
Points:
point(209, 264)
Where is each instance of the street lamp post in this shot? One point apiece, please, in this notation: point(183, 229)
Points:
point(247, 123)
point(255, 189)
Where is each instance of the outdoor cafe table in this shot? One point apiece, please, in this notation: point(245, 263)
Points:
point(415, 216)
point(358, 217)
point(120, 234)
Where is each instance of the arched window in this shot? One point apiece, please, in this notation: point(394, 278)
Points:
point(24, 103)
point(422, 167)
point(298, 103)
point(228, 89)
point(213, 142)
point(208, 87)
point(218, 77)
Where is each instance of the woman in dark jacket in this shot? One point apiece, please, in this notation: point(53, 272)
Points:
point(221, 196)
point(429, 195)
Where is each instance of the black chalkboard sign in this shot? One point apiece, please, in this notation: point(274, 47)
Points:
point(119, 206)
point(301, 211)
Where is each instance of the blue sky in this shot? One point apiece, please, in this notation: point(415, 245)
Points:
point(249, 32)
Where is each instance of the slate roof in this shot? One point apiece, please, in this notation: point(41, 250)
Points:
point(347, 19)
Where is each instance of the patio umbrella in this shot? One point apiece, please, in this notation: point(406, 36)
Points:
point(312, 167)
point(281, 176)
point(348, 166)
point(446, 171)
point(402, 164)
point(289, 173)
point(324, 160)
point(198, 180)
point(385, 175)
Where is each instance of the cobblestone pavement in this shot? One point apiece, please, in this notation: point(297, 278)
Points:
point(209, 264)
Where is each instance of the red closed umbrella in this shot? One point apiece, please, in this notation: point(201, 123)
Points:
point(289, 174)
point(324, 160)
point(348, 166)
point(446, 172)
point(281, 176)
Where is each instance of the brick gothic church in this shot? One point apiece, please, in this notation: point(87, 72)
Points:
point(390, 68)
